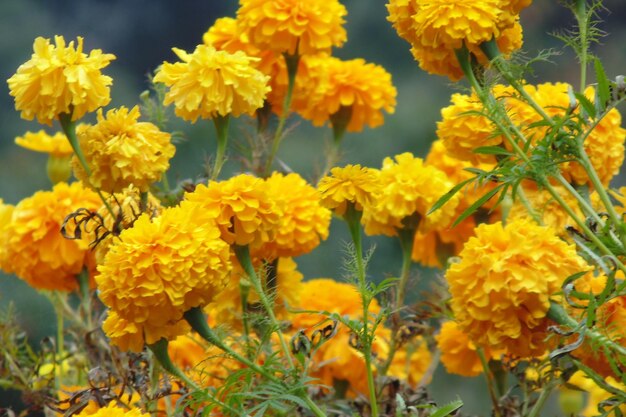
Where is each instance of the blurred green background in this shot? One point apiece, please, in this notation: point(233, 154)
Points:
point(141, 34)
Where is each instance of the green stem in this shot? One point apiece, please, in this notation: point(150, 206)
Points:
point(58, 363)
point(490, 383)
point(85, 294)
point(244, 290)
point(528, 205)
point(243, 256)
point(69, 128)
point(292, 69)
point(143, 201)
point(221, 128)
point(353, 218)
point(197, 320)
point(581, 18)
point(543, 396)
point(312, 406)
point(159, 349)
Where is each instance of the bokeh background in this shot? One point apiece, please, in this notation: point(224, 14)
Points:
point(141, 34)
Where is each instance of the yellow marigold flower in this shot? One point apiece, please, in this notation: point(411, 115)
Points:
point(458, 352)
point(461, 131)
point(595, 394)
point(350, 184)
point(435, 29)
point(502, 285)
point(245, 211)
point(6, 213)
point(226, 307)
point(122, 151)
point(160, 268)
point(33, 246)
point(210, 82)
point(60, 79)
point(305, 26)
point(434, 247)
point(365, 88)
point(41, 141)
point(304, 221)
point(112, 410)
point(410, 188)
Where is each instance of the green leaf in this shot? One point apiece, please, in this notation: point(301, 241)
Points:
point(587, 105)
point(492, 150)
point(603, 91)
point(447, 196)
point(477, 204)
point(447, 409)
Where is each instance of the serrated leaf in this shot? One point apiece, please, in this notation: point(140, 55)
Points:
point(447, 409)
point(447, 196)
point(587, 105)
point(491, 150)
point(604, 93)
point(477, 204)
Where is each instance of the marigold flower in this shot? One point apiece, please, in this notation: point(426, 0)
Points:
point(435, 29)
point(60, 79)
point(411, 362)
point(363, 87)
point(461, 130)
point(112, 410)
point(502, 285)
point(304, 221)
point(162, 267)
point(243, 207)
point(350, 184)
point(210, 82)
point(302, 26)
point(596, 395)
point(458, 352)
point(434, 247)
point(32, 245)
point(410, 188)
point(56, 144)
point(122, 151)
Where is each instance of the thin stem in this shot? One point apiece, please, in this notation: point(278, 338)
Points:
point(528, 205)
point(244, 290)
point(85, 294)
point(69, 128)
point(243, 256)
point(353, 218)
point(312, 406)
point(490, 383)
point(292, 62)
point(581, 18)
point(197, 320)
point(543, 396)
point(221, 128)
point(58, 363)
point(159, 349)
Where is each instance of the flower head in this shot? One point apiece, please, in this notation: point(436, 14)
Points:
point(304, 221)
point(305, 26)
point(60, 79)
point(162, 267)
point(363, 88)
point(243, 208)
point(210, 82)
point(122, 151)
point(32, 244)
point(502, 285)
point(350, 184)
point(410, 188)
point(56, 144)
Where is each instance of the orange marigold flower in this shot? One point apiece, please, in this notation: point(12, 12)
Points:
point(304, 221)
point(60, 79)
point(410, 188)
point(162, 267)
point(56, 144)
point(33, 246)
point(210, 82)
point(437, 28)
point(362, 88)
point(461, 130)
point(122, 151)
point(302, 26)
point(350, 184)
point(502, 285)
point(243, 207)
point(458, 352)
point(112, 410)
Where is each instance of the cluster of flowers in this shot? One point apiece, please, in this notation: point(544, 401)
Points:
point(224, 249)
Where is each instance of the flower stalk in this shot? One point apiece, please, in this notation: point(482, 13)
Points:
point(221, 128)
